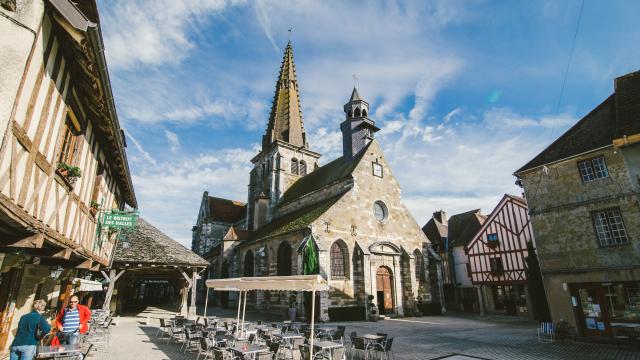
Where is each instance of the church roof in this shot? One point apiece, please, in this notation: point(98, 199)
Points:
point(354, 95)
point(285, 119)
point(235, 234)
point(148, 245)
point(435, 232)
point(296, 220)
point(325, 175)
point(225, 210)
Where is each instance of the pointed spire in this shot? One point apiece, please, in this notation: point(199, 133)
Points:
point(285, 120)
point(354, 95)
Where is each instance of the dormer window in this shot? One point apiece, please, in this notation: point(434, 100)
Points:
point(593, 169)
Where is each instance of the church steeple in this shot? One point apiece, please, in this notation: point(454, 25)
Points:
point(285, 120)
point(357, 129)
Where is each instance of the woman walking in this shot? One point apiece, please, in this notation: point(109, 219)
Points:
point(25, 343)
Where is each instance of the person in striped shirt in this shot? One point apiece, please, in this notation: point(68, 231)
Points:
point(72, 321)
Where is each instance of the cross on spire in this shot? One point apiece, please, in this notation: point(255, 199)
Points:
point(290, 30)
point(355, 80)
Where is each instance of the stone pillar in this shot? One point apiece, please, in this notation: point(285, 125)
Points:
point(397, 286)
point(368, 286)
point(324, 262)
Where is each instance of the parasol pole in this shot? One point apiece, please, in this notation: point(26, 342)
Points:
point(238, 318)
point(206, 300)
point(313, 313)
point(244, 310)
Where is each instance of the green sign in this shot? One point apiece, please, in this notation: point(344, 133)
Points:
point(119, 220)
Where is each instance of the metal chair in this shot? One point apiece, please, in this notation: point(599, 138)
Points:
point(191, 336)
point(546, 332)
point(384, 347)
point(204, 348)
point(163, 327)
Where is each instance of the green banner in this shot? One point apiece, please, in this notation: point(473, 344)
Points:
point(119, 220)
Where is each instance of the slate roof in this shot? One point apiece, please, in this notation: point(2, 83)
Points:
point(462, 227)
point(148, 245)
point(436, 232)
point(333, 172)
point(296, 220)
point(226, 210)
point(613, 118)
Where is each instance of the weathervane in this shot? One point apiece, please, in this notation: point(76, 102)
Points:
point(290, 29)
point(355, 80)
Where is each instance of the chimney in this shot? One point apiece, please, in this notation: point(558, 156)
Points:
point(441, 216)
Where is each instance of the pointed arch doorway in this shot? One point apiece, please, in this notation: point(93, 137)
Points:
point(384, 284)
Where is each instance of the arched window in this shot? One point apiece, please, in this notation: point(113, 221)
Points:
point(284, 259)
point(339, 260)
point(418, 256)
point(248, 264)
point(302, 169)
point(357, 112)
point(294, 166)
point(349, 115)
point(364, 112)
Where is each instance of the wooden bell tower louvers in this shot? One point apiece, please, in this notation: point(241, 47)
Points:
point(64, 94)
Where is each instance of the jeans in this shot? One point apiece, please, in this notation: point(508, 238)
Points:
point(23, 352)
point(68, 338)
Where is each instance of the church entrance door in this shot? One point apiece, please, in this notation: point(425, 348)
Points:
point(384, 290)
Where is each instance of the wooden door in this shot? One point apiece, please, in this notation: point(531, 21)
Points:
point(9, 286)
point(591, 310)
point(385, 289)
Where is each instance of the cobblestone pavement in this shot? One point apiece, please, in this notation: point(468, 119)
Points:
point(436, 337)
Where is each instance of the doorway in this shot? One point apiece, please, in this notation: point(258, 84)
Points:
point(591, 310)
point(384, 290)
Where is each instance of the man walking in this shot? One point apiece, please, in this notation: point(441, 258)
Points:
point(72, 321)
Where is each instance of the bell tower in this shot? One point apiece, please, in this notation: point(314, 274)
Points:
point(285, 155)
point(357, 129)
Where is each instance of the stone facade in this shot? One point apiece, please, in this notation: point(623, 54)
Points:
point(584, 274)
point(350, 209)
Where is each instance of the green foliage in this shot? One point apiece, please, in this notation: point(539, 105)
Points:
point(94, 204)
point(72, 171)
point(536, 286)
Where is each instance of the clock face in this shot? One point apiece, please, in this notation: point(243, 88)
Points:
point(377, 170)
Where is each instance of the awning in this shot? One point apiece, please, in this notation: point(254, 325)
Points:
point(87, 285)
point(271, 283)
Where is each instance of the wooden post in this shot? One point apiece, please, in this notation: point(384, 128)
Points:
point(194, 287)
point(238, 318)
point(112, 278)
point(206, 300)
point(244, 310)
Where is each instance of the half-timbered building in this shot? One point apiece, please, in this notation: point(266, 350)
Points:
point(62, 156)
point(497, 257)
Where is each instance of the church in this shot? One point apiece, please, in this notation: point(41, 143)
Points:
point(347, 213)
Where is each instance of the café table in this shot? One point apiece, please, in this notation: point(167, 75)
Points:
point(249, 350)
point(327, 346)
point(371, 339)
point(49, 352)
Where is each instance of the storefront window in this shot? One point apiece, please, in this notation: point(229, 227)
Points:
point(623, 301)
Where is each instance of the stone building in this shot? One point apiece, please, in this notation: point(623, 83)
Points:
point(349, 211)
point(583, 198)
point(497, 258)
point(449, 236)
point(215, 217)
point(62, 157)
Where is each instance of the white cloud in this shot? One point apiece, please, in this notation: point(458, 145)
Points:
point(507, 118)
point(265, 22)
point(145, 155)
point(152, 32)
point(452, 114)
point(174, 141)
point(170, 192)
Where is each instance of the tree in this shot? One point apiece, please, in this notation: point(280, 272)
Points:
point(536, 286)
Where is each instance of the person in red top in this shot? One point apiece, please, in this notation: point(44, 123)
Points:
point(72, 320)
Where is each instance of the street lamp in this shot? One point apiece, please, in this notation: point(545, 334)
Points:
point(56, 272)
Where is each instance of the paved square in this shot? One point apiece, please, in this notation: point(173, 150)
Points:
point(436, 337)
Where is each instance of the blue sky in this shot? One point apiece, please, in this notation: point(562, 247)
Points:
point(465, 91)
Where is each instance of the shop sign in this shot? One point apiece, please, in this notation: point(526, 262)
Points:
point(119, 220)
